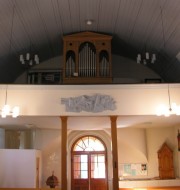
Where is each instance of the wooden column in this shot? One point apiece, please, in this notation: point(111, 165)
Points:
point(64, 153)
point(114, 152)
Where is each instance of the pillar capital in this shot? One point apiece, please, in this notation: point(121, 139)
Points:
point(64, 118)
point(113, 118)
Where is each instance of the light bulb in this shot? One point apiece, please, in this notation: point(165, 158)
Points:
point(6, 109)
point(15, 111)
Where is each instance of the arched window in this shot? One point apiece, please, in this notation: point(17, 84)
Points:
point(89, 143)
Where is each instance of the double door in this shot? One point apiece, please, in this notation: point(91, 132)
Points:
point(89, 171)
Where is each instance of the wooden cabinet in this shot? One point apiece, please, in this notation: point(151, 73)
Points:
point(165, 157)
point(87, 58)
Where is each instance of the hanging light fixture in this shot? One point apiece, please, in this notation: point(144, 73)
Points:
point(163, 110)
point(6, 110)
point(29, 59)
point(146, 58)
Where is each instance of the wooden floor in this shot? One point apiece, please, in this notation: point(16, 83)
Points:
point(152, 188)
point(138, 188)
point(28, 188)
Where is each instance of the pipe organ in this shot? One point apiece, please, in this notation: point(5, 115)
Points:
point(87, 58)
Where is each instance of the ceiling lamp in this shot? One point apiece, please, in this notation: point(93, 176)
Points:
point(6, 110)
point(29, 59)
point(166, 111)
point(146, 58)
point(89, 22)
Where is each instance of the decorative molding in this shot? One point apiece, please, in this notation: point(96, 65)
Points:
point(95, 103)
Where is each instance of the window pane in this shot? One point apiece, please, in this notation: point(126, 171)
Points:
point(83, 158)
point(84, 166)
point(98, 166)
point(89, 143)
point(93, 158)
point(84, 174)
point(77, 175)
point(101, 158)
point(77, 158)
point(76, 166)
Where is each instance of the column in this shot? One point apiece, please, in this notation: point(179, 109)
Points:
point(114, 152)
point(64, 153)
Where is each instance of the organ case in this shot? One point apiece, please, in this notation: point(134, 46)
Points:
point(87, 58)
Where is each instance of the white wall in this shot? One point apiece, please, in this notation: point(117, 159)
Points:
point(132, 147)
point(49, 142)
point(45, 100)
point(18, 168)
point(155, 139)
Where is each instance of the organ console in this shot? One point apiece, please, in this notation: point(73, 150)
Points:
point(87, 58)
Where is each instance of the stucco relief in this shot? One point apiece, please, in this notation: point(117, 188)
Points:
point(95, 103)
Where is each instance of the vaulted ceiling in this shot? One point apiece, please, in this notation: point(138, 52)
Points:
point(136, 26)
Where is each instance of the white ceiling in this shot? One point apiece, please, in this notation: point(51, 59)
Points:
point(88, 123)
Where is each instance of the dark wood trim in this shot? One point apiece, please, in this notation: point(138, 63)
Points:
point(114, 152)
point(64, 152)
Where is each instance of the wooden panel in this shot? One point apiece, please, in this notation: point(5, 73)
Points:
point(80, 184)
point(165, 157)
point(99, 184)
point(83, 80)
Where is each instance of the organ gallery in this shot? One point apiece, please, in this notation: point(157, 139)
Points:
point(87, 58)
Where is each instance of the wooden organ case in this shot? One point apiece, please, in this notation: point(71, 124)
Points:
point(87, 58)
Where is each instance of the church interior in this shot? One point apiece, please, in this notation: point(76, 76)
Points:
point(89, 94)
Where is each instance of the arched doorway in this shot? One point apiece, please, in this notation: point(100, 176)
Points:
point(89, 164)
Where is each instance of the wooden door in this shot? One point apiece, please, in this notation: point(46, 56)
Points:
point(89, 172)
point(80, 178)
point(89, 165)
point(98, 177)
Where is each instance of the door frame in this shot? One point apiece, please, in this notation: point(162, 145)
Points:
point(89, 153)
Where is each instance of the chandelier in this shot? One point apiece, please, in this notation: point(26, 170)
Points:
point(173, 109)
point(29, 59)
point(6, 109)
point(146, 58)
